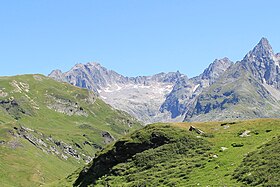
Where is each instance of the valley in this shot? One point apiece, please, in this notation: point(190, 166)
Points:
point(94, 127)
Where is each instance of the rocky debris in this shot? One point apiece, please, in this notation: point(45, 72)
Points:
point(65, 106)
point(19, 86)
point(215, 156)
point(2, 142)
point(108, 138)
point(14, 144)
point(226, 126)
point(245, 133)
point(38, 77)
point(223, 148)
point(3, 93)
point(48, 144)
point(198, 131)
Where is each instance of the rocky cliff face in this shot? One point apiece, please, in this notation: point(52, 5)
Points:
point(185, 91)
point(248, 89)
point(141, 96)
point(263, 63)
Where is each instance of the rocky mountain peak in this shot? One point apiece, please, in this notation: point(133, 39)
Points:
point(215, 69)
point(263, 63)
point(262, 50)
point(93, 64)
point(264, 44)
point(57, 75)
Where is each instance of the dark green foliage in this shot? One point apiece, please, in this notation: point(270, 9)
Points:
point(261, 167)
point(147, 157)
point(184, 158)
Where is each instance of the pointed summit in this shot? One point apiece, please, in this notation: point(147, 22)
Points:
point(217, 68)
point(264, 42)
point(261, 54)
point(263, 48)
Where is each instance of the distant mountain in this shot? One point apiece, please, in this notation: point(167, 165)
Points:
point(160, 97)
point(224, 91)
point(140, 96)
point(186, 91)
point(248, 89)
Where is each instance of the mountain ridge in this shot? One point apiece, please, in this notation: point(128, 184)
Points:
point(176, 97)
point(143, 96)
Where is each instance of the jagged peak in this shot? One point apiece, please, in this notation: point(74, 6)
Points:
point(263, 48)
point(93, 64)
point(264, 42)
point(219, 62)
point(78, 65)
point(224, 60)
point(57, 75)
point(56, 71)
point(216, 68)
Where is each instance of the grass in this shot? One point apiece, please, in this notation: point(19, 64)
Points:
point(261, 167)
point(157, 155)
point(30, 165)
point(187, 159)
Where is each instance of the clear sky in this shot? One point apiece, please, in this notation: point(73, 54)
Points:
point(132, 37)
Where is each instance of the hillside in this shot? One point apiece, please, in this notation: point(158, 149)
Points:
point(171, 155)
point(48, 129)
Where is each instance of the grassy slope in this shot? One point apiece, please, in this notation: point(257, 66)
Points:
point(173, 165)
point(29, 164)
point(219, 171)
point(261, 167)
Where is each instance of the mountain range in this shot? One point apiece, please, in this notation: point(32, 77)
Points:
point(53, 133)
point(225, 90)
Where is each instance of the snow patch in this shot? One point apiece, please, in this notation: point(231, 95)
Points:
point(195, 87)
point(107, 90)
point(103, 97)
point(118, 88)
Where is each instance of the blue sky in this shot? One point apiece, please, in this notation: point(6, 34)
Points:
point(132, 37)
